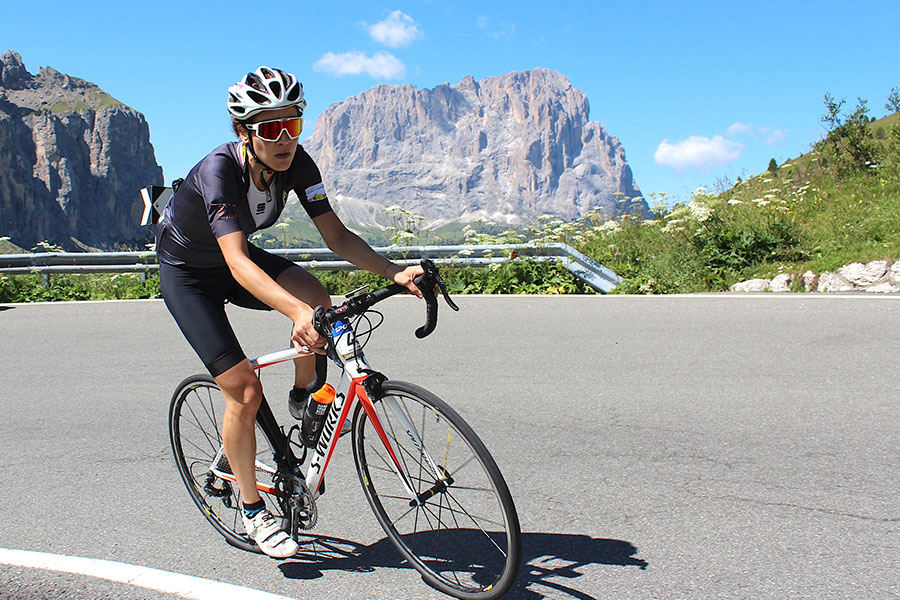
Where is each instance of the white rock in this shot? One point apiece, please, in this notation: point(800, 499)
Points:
point(865, 274)
point(832, 282)
point(810, 281)
point(782, 283)
point(886, 287)
point(895, 272)
point(753, 285)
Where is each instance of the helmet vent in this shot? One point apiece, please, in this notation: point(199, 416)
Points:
point(258, 98)
point(254, 82)
point(265, 89)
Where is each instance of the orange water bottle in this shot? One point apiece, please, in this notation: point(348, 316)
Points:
point(314, 415)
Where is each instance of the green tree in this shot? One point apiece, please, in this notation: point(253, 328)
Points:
point(849, 141)
point(893, 101)
point(773, 166)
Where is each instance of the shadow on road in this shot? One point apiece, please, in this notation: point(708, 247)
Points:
point(551, 560)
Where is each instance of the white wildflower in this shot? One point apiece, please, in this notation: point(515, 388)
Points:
point(609, 227)
point(672, 225)
point(699, 211)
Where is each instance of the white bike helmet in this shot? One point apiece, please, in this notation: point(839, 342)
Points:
point(264, 89)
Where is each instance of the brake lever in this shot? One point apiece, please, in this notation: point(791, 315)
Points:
point(443, 287)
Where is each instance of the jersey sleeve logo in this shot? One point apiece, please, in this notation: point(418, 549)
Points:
point(224, 212)
point(315, 193)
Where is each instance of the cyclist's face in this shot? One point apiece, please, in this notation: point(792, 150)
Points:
point(280, 153)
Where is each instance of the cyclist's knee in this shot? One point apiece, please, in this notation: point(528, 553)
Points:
point(252, 393)
point(241, 387)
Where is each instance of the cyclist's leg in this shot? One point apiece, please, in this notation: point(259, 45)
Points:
point(295, 280)
point(306, 287)
point(196, 300)
point(243, 393)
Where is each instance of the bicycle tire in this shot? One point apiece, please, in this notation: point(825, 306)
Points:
point(477, 556)
point(194, 432)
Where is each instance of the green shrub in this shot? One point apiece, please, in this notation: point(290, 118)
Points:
point(32, 288)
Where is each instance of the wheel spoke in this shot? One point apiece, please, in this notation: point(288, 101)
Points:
point(464, 536)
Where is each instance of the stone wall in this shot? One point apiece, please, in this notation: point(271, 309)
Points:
point(877, 277)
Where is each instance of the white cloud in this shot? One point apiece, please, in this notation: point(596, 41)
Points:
point(504, 30)
point(698, 152)
point(756, 133)
point(399, 29)
point(777, 136)
point(381, 65)
point(739, 128)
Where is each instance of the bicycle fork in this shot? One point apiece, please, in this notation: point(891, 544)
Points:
point(366, 386)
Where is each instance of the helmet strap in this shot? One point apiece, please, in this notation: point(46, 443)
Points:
point(266, 168)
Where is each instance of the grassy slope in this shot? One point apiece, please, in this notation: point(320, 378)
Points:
point(801, 216)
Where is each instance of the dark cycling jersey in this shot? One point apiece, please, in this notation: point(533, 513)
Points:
point(212, 202)
point(193, 275)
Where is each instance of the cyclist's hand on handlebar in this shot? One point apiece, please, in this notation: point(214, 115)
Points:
point(405, 277)
point(304, 336)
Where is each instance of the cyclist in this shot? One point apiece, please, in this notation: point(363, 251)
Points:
point(207, 260)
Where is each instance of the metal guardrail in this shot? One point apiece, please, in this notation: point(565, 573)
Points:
point(587, 270)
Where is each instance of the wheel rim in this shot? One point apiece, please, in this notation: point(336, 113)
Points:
point(462, 537)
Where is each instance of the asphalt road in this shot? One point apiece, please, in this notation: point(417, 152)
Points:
point(656, 447)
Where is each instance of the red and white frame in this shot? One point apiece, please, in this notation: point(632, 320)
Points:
point(355, 369)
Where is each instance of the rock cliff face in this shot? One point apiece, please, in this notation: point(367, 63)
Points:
point(506, 149)
point(72, 161)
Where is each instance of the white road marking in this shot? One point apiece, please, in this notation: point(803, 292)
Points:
point(167, 582)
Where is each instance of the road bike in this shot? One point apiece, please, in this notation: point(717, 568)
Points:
point(431, 482)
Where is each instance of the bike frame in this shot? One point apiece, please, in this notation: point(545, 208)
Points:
point(354, 371)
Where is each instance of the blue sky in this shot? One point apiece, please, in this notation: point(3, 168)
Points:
point(695, 91)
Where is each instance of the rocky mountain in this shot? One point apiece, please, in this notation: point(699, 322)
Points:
point(505, 149)
point(72, 161)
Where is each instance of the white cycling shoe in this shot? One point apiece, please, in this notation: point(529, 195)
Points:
point(269, 536)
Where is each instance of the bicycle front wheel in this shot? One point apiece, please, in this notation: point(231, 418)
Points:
point(462, 534)
point(195, 416)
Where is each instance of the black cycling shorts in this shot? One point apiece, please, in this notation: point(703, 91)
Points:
point(196, 298)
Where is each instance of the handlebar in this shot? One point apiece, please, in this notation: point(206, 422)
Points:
point(427, 282)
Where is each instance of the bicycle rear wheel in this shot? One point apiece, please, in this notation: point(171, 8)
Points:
point(195, 415)
point(464, 539)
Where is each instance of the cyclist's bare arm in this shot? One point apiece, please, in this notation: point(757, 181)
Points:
point(257, 282)
point(355, 250)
